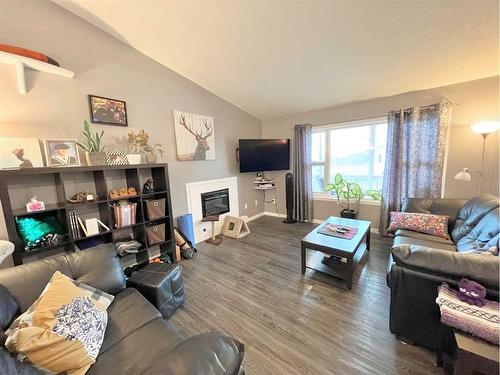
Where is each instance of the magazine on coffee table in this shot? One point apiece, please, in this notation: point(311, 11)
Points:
point(339, 231)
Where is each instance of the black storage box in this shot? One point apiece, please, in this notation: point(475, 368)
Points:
point(161, 284)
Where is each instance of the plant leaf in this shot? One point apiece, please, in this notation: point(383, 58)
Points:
point(338, 179)
point(329, 187)
point(374, 194)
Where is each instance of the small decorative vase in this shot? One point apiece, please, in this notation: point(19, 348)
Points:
point(134, 158)
point(95, 158)
point(151, 157)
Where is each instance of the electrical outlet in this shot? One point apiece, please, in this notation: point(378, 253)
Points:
point(273, 201)
point(246, 206)
point(256, 202)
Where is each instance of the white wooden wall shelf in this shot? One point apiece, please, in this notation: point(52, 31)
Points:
point(21, 63)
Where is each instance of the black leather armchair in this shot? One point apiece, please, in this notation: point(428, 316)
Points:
point(137, 339)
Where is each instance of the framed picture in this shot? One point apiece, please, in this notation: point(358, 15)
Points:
point(194, 136)
point(61, 152)
point(20, 153)
point(107, 111)
point(116, 158)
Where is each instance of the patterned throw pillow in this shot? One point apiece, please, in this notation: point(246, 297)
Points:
point(436, 225)
point(62, 332)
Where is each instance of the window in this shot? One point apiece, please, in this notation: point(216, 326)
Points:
point(355, 150)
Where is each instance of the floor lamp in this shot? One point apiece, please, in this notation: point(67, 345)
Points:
point(484, 128)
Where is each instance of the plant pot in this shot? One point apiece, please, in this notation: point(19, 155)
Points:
point(95, 158)
point(134, 158)
point(349, 214)
point(151, 157)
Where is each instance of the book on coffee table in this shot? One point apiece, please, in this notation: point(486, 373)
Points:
point(340, 231)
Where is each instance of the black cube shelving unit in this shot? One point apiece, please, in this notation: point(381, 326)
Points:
point(53, 185)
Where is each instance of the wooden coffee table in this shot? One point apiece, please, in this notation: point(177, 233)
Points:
point(348, 252)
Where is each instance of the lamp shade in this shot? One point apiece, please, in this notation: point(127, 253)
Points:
point(463, 175)
point(485, 127)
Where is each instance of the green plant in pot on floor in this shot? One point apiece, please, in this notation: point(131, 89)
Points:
point(349, 195)
point(93, 148)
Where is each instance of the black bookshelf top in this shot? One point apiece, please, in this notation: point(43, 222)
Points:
point(84, 168)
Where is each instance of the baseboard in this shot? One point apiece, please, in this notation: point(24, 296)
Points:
point(260, 214)
point(275, 214)
point(315, 221)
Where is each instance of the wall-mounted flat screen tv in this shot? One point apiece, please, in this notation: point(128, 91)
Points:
point(260, 155)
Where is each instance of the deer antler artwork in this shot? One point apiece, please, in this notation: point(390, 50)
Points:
point(201, 137)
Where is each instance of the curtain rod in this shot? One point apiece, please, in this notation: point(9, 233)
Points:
point(446, 100)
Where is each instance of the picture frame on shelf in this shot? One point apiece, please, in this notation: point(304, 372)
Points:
point(107, 111)
point(61, 152)
point(20, 153)
point(116, 157)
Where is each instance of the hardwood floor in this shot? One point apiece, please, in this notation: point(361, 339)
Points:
point(293, 324)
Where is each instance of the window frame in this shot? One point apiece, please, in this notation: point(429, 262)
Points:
point(325, 196)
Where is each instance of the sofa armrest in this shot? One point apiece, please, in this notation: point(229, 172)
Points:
point(208, 353)
point(481, 268)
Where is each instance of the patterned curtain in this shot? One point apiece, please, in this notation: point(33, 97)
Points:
point(416, 146)
point(302, 164)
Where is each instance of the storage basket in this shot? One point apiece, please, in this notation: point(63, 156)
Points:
point(155, 208)
point(155, 234)
point(125, 215)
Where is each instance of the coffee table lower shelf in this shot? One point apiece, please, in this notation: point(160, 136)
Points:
point(342, 270)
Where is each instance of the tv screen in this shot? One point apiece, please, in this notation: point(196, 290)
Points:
point(260, 155)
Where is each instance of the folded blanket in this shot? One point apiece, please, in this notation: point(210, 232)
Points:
point(127, 247)
point(482, 322)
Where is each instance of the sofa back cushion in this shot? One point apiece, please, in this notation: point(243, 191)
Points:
point(483, 235)
point(471, 213)
point(26, 282)
point(98, 267)
point(446, 207)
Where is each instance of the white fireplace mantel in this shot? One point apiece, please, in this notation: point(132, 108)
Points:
point(193, 200)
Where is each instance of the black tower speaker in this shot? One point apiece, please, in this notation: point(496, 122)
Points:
point(289, 199)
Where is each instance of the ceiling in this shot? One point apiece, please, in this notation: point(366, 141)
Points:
point(274, 58)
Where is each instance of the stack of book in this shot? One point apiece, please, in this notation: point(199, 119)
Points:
point(74, 223)
point(90, 228)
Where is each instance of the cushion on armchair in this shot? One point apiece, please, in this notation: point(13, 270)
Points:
point(436, 225)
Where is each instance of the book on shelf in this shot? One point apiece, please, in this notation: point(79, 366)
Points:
point(73, 223)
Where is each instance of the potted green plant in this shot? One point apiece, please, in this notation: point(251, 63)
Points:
point(349, 195)
point(151, 153)
point(137, 142)
point(93, 148)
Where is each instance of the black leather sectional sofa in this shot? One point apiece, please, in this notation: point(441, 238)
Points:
point(419, 263)
point(137, 341)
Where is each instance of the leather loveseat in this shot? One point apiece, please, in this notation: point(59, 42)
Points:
point(419, 263)
point(137, 340)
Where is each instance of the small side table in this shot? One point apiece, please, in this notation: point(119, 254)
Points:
point(475, 356)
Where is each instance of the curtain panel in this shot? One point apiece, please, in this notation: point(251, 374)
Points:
point(416, 147)
point(302, 164)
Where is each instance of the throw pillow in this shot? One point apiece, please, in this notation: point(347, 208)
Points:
point(62, 332)
point(436, 225)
